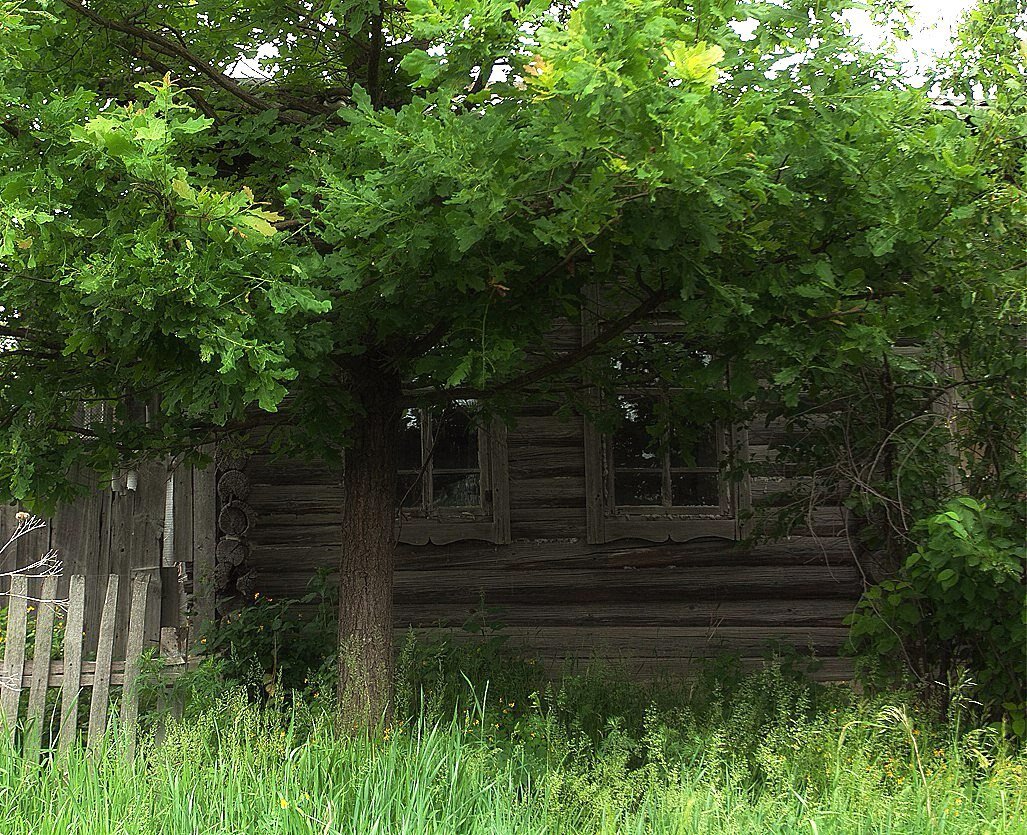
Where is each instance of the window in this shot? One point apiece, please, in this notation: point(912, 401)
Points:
point(678, 469)
point(653, 476)
point(452, 478)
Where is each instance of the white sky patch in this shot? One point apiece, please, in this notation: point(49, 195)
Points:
point(931, 35)
point(250, 67)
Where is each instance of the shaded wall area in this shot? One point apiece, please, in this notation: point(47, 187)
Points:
point(652, 606)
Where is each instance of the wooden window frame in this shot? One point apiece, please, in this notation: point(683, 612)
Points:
point(606, 521)
point(489, 522)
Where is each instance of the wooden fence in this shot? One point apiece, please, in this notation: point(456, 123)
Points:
point(72, 674)
point(122, 527)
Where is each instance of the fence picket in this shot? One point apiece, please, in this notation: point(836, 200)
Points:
point(40, 667)
point(14, 652)
point(134, 649)
point(98, 704)
point(72, 661)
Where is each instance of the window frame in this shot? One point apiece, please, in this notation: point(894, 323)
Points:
point(723, 436)
point(489, 521)
point(606, 521)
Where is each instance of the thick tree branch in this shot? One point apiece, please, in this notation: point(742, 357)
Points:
point(564, 362)
point(174, 48)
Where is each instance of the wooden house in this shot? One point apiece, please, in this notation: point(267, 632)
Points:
point(583, 544)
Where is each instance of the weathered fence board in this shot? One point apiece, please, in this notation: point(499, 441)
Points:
point(71, 674)
point(136, 626)
point(41, 672)
point(71, 670)
point(14, 651)
point(104, 657)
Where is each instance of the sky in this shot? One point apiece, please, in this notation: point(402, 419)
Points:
point(935, 21)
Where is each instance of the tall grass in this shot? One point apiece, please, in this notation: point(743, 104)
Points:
point(774, 756)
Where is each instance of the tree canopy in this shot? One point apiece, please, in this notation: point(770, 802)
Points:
point(223, 203)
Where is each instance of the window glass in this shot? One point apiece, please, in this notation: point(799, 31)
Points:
point(695, 490)
point(456, 489)
point(679, 469)
point(633, 445)
point(638, 489)
point(694, 447)
point(410, 440)
point(455, 441)
point(438, 449)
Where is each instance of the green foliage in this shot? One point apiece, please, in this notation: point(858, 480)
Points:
point(270, 646)
point(956, 607)
point(762, 753)
point(435, 208)
point(412, 196)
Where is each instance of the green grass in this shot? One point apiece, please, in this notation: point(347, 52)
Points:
point(759, 754)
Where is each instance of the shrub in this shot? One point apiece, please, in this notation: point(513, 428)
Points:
point(268, 645)
point(956, 607)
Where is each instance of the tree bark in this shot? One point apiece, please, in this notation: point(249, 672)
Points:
point(366, 565)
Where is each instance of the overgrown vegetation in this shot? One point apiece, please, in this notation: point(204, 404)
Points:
point(955, 608)
point(596, 753)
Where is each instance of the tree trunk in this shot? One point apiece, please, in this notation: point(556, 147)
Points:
point(367, 561)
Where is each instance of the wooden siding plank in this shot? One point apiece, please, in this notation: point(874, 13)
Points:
point(543, 555)
point(541, 430)
point(41, 673)
point(272, 472)
point(556, 587)
point(669, 671)
point(98, 703)
point(14, 652)
point(72, 668)
point(763, 614)
point(654, 642)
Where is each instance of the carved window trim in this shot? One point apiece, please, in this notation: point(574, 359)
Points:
point(607, 522)
point(489, 523)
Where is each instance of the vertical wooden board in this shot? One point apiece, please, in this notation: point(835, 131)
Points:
point(168, 527)
point(14, 652)
point(498, 459)
point(204, 540)
point(595, 519)
point(75, 532)
point(173, 577)
point(134, 649)
point(99, 568)
point(40, 667)
point(145, 550)
point(183, 548)
point(72, 661)
point(102, 677)
point(119, 559)
point(743, 513)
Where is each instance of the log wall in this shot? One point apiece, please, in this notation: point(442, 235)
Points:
point(651, 606)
